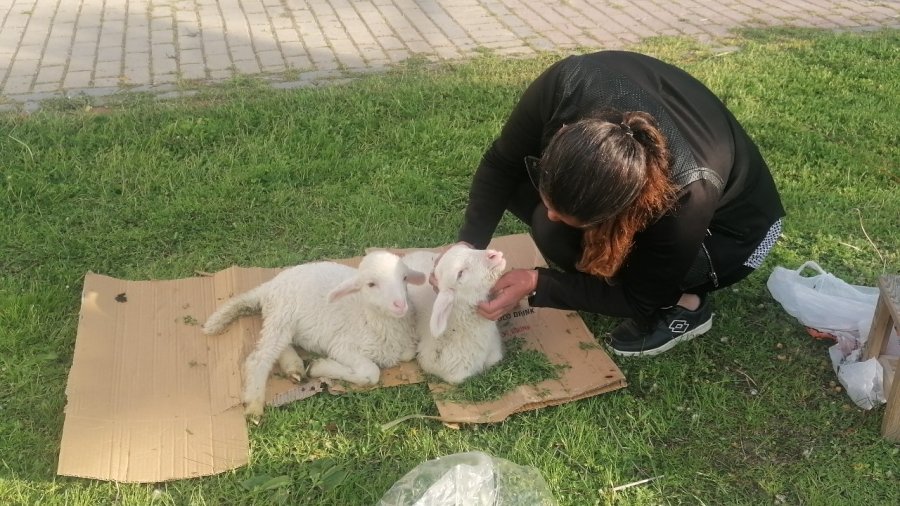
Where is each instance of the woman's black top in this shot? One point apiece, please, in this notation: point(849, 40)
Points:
point(701, 132)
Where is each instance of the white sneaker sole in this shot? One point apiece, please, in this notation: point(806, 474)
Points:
point(687, 336)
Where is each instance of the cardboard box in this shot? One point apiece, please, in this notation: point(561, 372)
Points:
point(151, 398)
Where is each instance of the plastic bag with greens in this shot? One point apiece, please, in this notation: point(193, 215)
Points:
point(469, 479)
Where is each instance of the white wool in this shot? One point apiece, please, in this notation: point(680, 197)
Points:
point(358, 319)
point(455, 342)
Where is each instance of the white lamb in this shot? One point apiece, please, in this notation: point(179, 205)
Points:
point(359, 319)
point(455, 342)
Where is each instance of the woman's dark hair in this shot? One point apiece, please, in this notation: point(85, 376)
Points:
point(610, 172)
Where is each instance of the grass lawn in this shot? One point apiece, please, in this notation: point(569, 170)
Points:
point(241, 174)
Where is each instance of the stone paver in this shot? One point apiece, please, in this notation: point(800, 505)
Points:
point(66, 47)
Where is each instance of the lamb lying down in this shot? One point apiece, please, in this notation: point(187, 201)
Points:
point(359, 319)
point(455, 341)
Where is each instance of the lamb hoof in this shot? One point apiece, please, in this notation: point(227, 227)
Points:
point(313, 371)
point(291, 365)
point(297, 377)
point(253, 411)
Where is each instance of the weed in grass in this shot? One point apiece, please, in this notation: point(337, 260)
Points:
point(291, 74)
point(272, 490)
point(68, 104)
point(519, 367)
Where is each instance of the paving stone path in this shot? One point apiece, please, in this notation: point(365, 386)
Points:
point(56, 48)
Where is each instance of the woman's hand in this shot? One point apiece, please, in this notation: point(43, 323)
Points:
point(512, 287)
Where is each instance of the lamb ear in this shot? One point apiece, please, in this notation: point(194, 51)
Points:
point(346, 287)
point(440, 312)
point(414, 277)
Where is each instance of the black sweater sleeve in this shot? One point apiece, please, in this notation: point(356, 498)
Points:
point(502, 168)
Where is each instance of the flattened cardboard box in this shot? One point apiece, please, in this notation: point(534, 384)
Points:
point(151, 398)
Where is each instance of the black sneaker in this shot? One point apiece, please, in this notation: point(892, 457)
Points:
point(671, 326)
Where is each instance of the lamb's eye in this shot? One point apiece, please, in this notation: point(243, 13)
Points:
point(371, 284)
point(404, 278)
point(460, 273)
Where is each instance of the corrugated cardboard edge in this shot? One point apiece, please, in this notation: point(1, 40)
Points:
point(281, 391)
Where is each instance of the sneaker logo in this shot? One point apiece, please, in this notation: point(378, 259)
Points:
point(678, 326)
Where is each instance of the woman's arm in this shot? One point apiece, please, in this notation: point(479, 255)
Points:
point(502, 168)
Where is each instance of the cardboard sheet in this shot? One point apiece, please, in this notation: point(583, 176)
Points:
point(151, 398)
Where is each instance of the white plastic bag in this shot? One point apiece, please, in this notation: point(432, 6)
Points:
point(828, 304)
point(863, 382)
point(469, 479)
point(823, 301)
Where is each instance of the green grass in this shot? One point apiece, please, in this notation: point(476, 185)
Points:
point(244, 175)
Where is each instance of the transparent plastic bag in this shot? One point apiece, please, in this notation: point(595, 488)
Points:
point(469, 479)
point(863, 382)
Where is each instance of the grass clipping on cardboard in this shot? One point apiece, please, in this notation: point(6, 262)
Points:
point(519, 367)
